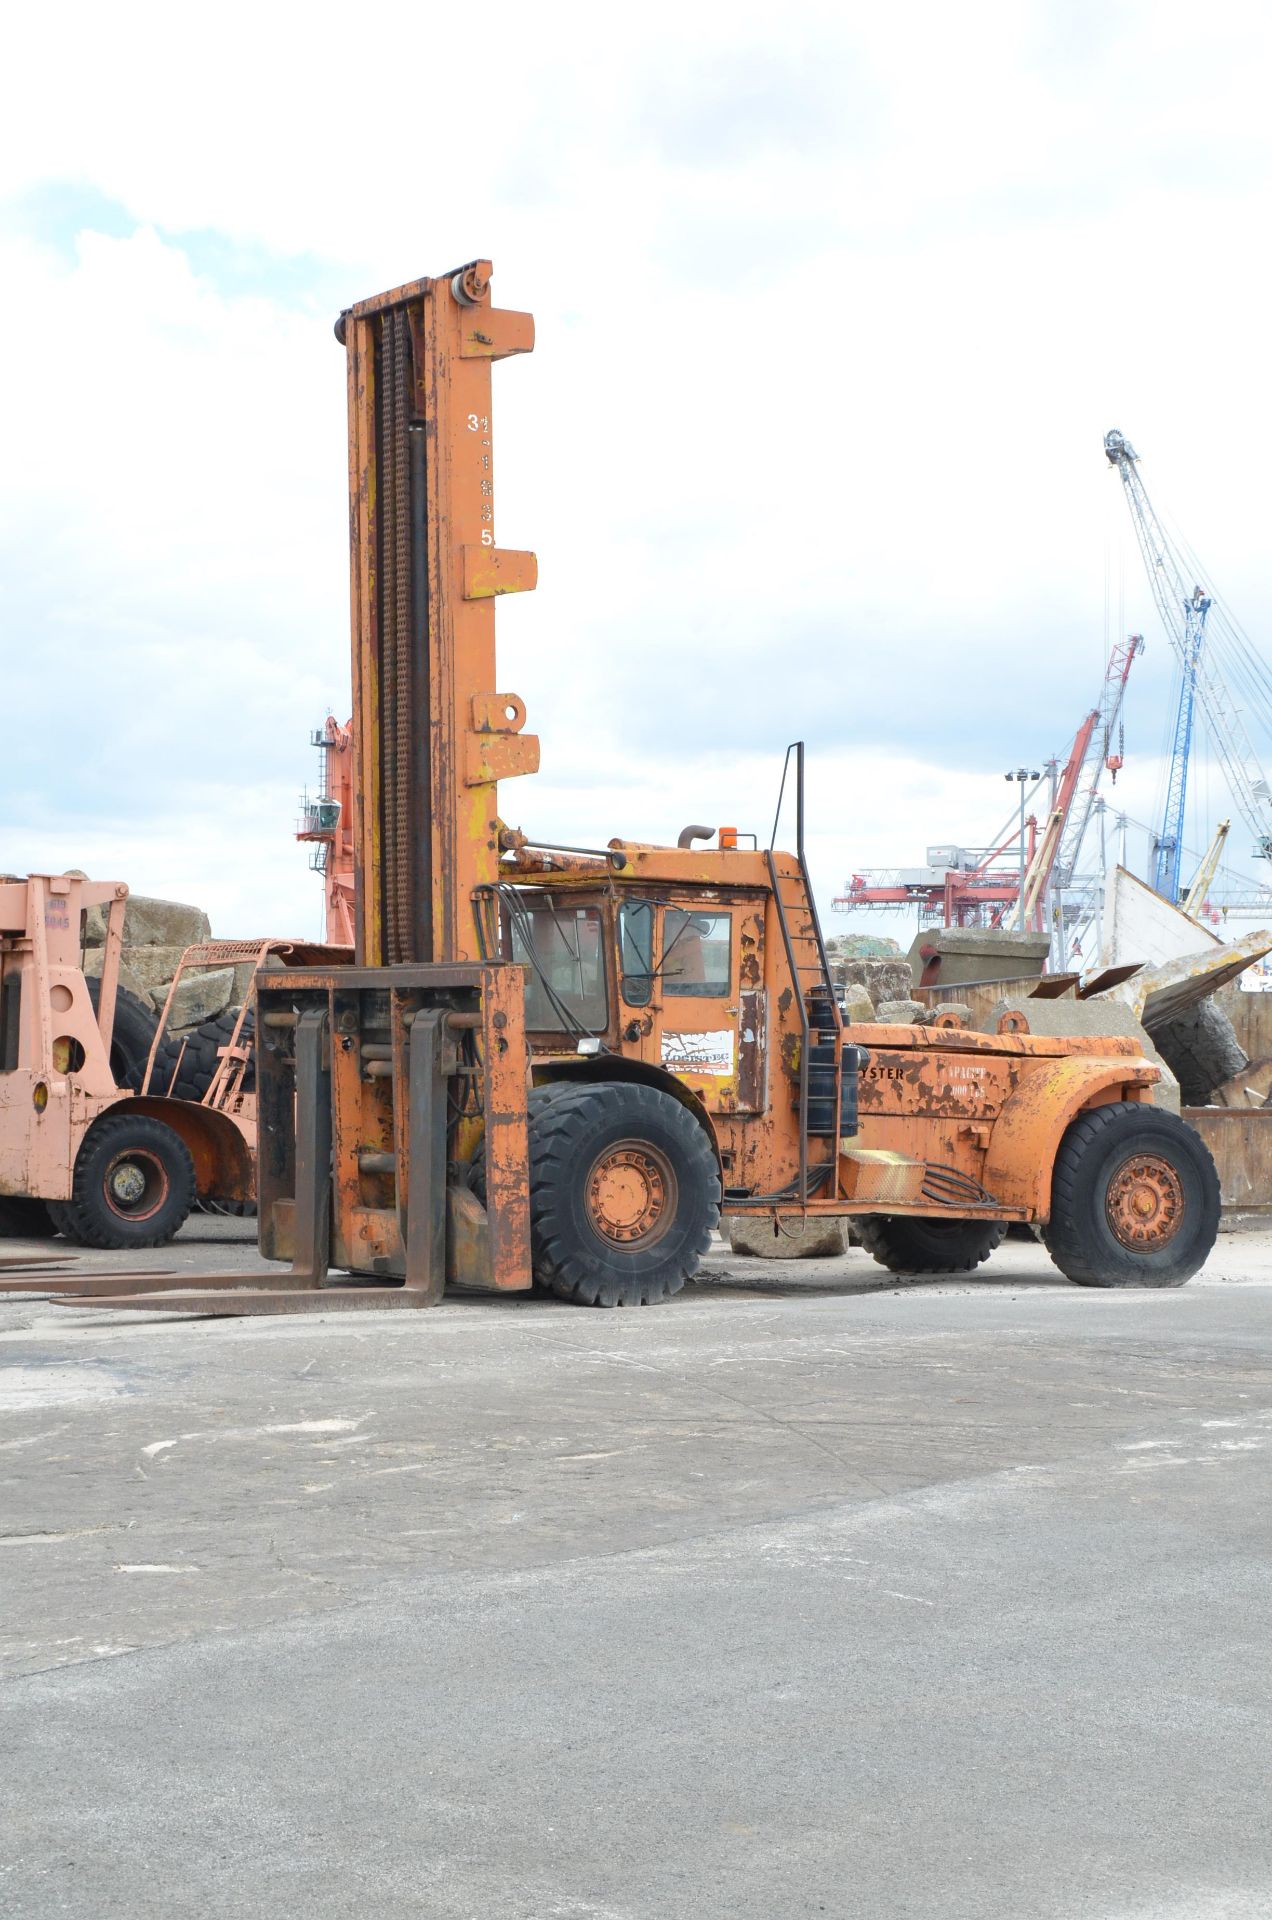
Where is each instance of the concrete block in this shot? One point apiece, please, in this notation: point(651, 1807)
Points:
point(753, 1234)
point(978, 953)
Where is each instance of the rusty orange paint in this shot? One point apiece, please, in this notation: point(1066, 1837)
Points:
point(721, 1020)
point(1027, 1133)
point(455, 336)
point(506, 1063)
point(993, 1107)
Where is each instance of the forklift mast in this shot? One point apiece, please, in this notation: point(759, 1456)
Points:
point(432, 735)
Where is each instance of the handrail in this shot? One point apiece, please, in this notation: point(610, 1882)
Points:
point(815, 917)
point(797, 748)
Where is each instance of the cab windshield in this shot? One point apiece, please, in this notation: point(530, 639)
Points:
point(562, 949)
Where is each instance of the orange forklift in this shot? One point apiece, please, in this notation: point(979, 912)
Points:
point(555, 1065)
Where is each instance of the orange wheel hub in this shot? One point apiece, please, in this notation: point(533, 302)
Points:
point(631, 1194)
point(1145, 1202)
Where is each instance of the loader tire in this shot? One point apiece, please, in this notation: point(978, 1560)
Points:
point(904, 1244)
point(537, 1100)
point(133, 1185)
point(195, 1056)
point(1134, 1199)
point(132, 1038)
point(624, 1194)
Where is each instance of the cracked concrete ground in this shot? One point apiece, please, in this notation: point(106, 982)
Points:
point(808, 1593)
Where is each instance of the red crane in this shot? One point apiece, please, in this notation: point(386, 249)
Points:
point(970, 887)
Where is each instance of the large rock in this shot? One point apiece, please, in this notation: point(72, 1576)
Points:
point(752, 1234)
point(152, 923)
point(244, 982)
point(900, 1013)
point(154, 965)
point(199, 997)
point(862, 946)
point(887, 979)
point(1083, 1018)
point(856, 1006)
point(127, 978)
point(1203, 1051)
point(157, 966)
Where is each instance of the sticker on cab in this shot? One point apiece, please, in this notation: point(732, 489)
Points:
point(699, 1052)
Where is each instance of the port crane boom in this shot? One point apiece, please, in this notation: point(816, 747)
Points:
point(1168, 846)
point(1193, 898)
point(1184, 609)
point(1098, 753)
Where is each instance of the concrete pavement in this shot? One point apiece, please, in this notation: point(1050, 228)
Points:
point(807, 1593)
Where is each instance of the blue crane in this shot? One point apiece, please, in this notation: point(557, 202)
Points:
point(1207, 681)
point(1168, 847)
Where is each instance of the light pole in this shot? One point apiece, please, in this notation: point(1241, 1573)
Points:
point(1023, 775)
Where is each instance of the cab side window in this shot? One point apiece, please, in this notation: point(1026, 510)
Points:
point(636, 950)
point(697, 955)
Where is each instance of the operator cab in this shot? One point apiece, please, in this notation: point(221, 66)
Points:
point(669, 978)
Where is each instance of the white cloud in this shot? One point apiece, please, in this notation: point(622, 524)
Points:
point(830, 324)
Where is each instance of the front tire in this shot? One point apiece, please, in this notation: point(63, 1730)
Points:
point(133, 1186)
point(624, 1194)
point(1134, 1199)
point(907, 1244)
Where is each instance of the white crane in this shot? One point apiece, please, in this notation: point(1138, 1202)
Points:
point(1226, 649)
point(1101, 751)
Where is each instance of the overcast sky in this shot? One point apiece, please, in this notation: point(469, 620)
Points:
point(834, 306)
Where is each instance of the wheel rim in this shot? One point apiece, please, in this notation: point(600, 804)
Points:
point(1145, 1202)
point(135, 1184)
point(631, 1194)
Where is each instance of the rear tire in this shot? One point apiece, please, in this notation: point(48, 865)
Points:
point(624, 1194)
point(195, 1056)
point(132, 1038)
point(133, 1185)
point(1134, 1199)
point(905, 1244)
